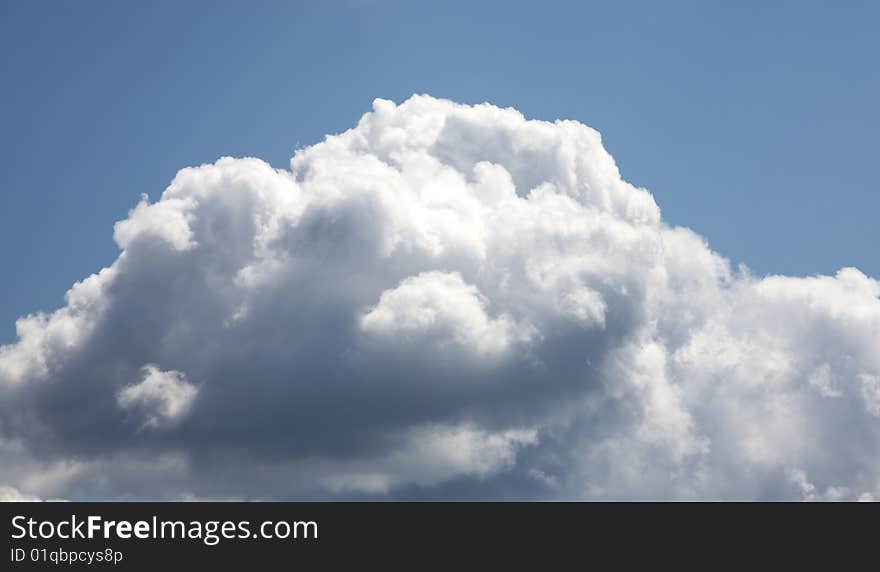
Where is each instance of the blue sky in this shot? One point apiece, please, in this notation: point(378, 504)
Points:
point(753, 123)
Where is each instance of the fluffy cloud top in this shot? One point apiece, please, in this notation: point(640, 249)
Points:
point(161, 397)
point(446, 301)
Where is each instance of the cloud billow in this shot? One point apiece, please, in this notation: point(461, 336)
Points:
point(446, 301)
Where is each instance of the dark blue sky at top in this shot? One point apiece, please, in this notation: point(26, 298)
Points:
point(754, 123)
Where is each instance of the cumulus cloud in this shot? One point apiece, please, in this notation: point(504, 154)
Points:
point(438, 310)
point(446, 301)
point(160, 397)
point(431, 455)
point(11, 494)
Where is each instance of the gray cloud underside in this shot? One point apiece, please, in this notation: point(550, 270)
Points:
point(446, 301)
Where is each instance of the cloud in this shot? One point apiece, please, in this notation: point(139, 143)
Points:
point(432, 455)
point(446, 301)
point(440, 311)
point(161, 397)
point(11, 494)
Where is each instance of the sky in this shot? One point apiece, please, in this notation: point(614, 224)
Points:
point(753, 123)
point(393, 251)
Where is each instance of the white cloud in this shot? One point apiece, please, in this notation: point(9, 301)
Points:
point(444, 301)
point(431, 455)
point(438, 309)
point(164, 222)
point(160, 397)
point(12, 494)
